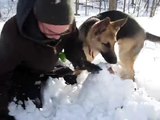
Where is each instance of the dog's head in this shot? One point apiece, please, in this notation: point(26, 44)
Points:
point(102, 37)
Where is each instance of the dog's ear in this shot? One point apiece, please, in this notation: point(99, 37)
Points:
point(119, 23)
point(101, 25)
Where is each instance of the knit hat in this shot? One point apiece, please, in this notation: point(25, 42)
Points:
point(56, 12)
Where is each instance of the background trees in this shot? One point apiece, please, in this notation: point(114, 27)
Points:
point(112, 4)
point(134, 7)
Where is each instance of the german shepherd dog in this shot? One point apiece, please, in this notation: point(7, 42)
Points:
point(100, 33)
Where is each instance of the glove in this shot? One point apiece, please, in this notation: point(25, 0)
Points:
point(24, 86)
point(70, 79)
point(65, 72)
point(28, 89)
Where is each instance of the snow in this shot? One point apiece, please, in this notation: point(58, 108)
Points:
point(1, 25)
point(103, 96)
point(147, 68)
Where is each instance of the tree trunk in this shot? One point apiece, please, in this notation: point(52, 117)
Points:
point(86, 12)
point(112, 4)
point(76, 7)
point(147, 6)
point(132, 3)
point(153, 8)
point(105, 4)
point(100, 5)
point(124, 5)
point(138, 7)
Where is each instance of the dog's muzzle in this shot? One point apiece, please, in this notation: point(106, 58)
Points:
point(110, 57)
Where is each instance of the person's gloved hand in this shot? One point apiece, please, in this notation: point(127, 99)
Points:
point(28, 91)
point(26, 86)
point(70, 79)
point(65, 72)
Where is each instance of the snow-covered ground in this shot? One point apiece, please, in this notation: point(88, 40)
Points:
point(104, 96)
point(1, 25)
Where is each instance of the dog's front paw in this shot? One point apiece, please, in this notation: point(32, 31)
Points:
point(90, 67)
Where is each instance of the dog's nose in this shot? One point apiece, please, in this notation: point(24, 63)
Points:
point(110, 57)
point(112, 60)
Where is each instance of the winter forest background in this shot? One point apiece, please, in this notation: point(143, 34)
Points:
point(133, 7)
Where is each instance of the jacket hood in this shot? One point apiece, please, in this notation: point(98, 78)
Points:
point(27, 23)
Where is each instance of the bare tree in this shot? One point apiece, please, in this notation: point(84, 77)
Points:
point(133, 3)
point(105, 4)
point(112, 4)
point(76, 7)
point(124, 5)
point(153, 8)
point(100, 5)
point(139, 6)
point(146, 6)
point(86, 11)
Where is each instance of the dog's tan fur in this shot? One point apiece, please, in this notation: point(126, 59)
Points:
point(128, 51)
point(128, 48)
point(94, 42)
point(129, 35)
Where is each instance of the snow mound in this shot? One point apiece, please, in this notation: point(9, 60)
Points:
point(101, 96)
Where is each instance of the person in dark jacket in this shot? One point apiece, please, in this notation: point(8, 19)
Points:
point(30, 44)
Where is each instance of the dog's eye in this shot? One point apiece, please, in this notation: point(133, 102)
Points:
point(107, 45)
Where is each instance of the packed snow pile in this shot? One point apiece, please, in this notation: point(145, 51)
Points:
point(102, 96)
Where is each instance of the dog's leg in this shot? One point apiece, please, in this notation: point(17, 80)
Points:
point(128, 51)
